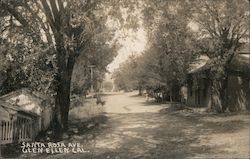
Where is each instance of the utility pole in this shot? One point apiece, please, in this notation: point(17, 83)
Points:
point(92, 76)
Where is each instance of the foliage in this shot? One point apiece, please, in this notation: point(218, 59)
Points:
point(180, 31)
point(54, 34)
point(224, 25)
point(107, 86)
point(163, 66)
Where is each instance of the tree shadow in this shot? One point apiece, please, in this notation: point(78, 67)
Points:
point(10, 150)
point(154, 135)
point(136, 95)
point(150, 103)
point(83, 127)
point(111, 94)
point(184, 139)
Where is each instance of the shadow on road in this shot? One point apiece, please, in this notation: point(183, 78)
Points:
point(150, 103)
point(83, 127)
point(135, 95)
point(110, 94)
point(147, 135)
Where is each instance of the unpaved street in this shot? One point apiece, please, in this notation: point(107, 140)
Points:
point(122, 103)
point(134, 128)
point(146, 133)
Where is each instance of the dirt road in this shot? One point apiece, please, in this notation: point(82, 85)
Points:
point(134, 128)
point(122, 103)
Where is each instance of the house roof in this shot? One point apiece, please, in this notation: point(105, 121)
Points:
point(27, 100)
point(202, 63)
point(240, 63)
point(8, 106)
point(37, 96)
point(4, 114)
point(26, 91)
point(244, 49)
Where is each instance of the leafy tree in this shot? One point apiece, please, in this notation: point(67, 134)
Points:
point(221, 27)
point(224, 25)
point(163, 67)
point(107, 86)
point(57, 29)
point(55, 33)
point(97, 53)
point(12, 74)
point(124, 76)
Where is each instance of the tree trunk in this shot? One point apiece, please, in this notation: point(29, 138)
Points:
point(140, 91)
point(62, 103)
point(219, 95)
point(62, 99)
point(216, 97)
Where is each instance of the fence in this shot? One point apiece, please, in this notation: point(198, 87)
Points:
point(17, 130)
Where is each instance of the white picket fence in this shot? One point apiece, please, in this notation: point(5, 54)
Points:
point(17, 130)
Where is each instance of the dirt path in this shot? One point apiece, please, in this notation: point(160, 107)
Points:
point(132, 128)
point(135, 129)
point(120, 103)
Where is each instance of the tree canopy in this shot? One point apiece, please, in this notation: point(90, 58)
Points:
point(47, 44)
point(181, 31)
point(47, 37)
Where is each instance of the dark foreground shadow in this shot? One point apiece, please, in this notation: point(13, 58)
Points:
point(81, 126)
point(10, 151)
point(172, 137)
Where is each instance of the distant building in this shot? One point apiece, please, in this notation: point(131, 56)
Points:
point(237, 94)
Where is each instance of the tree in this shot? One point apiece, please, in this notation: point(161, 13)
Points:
point(107, 86)
point(12, 75)
point(59, 27)
point(164, 65)
point(98, 52)
point(224, 25)
point(55, 33)
point(125, 77)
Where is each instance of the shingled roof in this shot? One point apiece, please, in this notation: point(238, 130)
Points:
point(27, 100)
point(8, 106)
point(240, 63)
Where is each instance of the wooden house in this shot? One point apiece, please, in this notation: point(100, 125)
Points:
point(16, 124)
point(237, 94)
point(32, 102)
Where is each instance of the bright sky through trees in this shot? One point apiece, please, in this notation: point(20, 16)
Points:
point(132, 41)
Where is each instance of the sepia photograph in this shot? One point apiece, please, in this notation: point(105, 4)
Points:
point(125, 79)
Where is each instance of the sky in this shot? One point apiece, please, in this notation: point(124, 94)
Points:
point(133, 44)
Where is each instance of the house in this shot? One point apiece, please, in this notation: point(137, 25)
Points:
point(32, 102)
point(237, 94)
point(16, 124)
